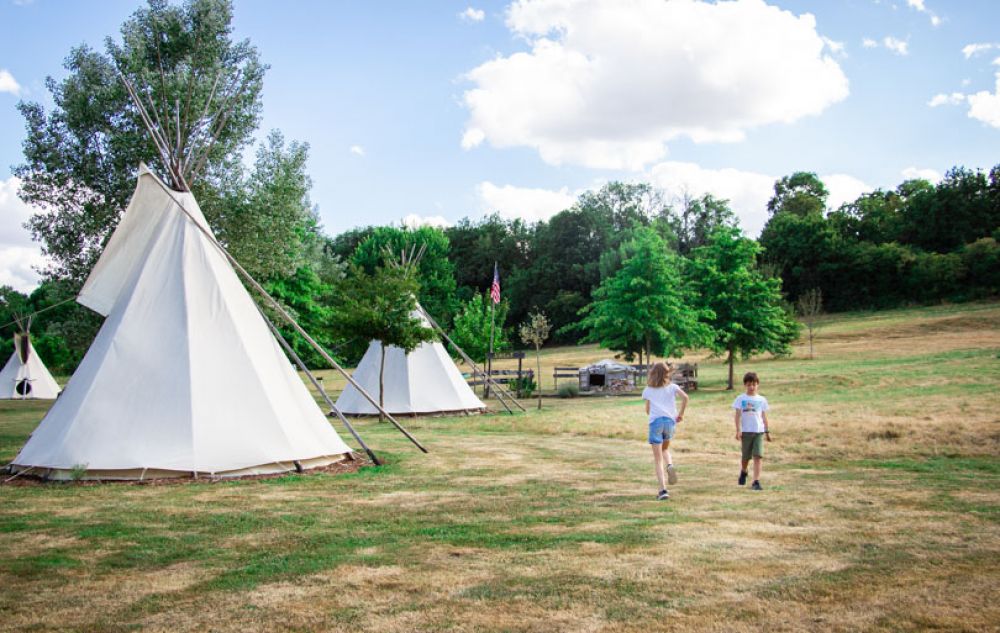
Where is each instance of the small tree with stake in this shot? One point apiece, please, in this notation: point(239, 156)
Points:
point(534, 332)
point(379, 306)
point(810, 306)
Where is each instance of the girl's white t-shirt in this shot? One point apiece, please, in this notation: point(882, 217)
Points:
point(662, 401)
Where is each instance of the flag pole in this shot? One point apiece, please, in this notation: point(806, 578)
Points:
point(489, 358)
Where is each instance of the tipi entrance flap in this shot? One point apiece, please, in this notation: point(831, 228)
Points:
point(130, 242)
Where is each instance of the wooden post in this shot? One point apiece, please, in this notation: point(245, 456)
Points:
point(520, 357)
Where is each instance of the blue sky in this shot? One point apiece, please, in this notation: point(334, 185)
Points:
point(431, 111)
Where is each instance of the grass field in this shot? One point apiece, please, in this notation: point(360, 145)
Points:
point(881, 511)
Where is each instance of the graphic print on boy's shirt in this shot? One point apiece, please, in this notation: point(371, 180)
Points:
point(751, 409)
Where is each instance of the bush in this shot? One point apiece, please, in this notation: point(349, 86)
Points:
point(525, 386)
point(569, 390)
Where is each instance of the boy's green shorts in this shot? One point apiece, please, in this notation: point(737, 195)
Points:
point(753, 445)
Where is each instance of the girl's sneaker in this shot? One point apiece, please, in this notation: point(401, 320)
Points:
point(663, 496)
point(671, 474)
point(756, 486)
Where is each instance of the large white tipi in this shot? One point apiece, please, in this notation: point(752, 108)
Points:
point(423, 382)
point(25, 375)
point(184, 377)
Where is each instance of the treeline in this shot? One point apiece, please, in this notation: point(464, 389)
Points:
point(623, 266)
point(919, 243)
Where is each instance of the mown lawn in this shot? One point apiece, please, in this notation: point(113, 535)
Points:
point(881, 512)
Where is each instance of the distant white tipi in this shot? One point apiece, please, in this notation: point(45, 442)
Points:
point(184, 377)
point(25, 375)
point(423, 382)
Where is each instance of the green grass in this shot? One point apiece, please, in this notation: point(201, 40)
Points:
point(884, 475)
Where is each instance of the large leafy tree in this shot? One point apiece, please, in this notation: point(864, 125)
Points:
point(476, 246)
point(646, 305)
point(81, 157)
point(696, 220)
point(801, 193)
point(434, 272)
point(745, 311)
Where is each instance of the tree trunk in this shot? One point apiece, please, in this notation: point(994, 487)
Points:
point(730, 388)
point(381, 386)
point(810, 342)
point(649, 344)
point(538, 375)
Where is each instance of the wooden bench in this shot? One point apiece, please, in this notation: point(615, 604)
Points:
point(501, 376)
point(564, 372)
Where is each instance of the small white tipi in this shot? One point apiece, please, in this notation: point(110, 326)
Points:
point(423, 382)
point(184, 377)
point(25, 375)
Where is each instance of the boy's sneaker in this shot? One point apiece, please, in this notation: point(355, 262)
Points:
point(663, 496)
point(756, 486)
point(671, 474)
point(743, 478)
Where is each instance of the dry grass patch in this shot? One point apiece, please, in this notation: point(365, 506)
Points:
point(881, 511)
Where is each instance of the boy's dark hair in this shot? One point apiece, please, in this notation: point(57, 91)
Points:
point(751, 376)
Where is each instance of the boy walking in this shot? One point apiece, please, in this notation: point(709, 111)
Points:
point(751, 428)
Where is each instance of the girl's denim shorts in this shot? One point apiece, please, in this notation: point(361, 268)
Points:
point(661, 430)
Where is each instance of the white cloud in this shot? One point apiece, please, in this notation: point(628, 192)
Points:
point(970, 50)
point(931, 175)
point(869, 43)
point(897, 46)
point(472, 15)
point(472, 137)
point(415, 221)
point(747, 191)
point(357, 150)
point(955, 98)
point(8, 83)
point(18, 254)
point(528, 204)
point(985, 106)
point(837, 48)
point(843, 188)
point(608, 88)
point(922, 8)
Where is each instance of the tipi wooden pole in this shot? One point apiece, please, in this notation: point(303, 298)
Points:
point(315, 383)
point(475, 368)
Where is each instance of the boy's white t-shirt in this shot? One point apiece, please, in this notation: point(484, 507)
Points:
point(662, 401)
point(752, 409)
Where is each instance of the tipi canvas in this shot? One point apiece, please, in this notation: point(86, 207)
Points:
point(25, 376)
point(423, 382)
point(184, 377)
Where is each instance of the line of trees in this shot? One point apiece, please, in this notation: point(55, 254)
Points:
point(623, 266)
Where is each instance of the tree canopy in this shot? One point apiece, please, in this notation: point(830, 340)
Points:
point(646, 305)
point(81, 158)
point(741, 306)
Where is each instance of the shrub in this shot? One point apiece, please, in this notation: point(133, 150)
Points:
point(569, 390)
point(525, 386)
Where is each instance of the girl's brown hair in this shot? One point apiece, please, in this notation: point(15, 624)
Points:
point(659, 374)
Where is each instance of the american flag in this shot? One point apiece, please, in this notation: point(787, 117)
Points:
point(495, 288)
